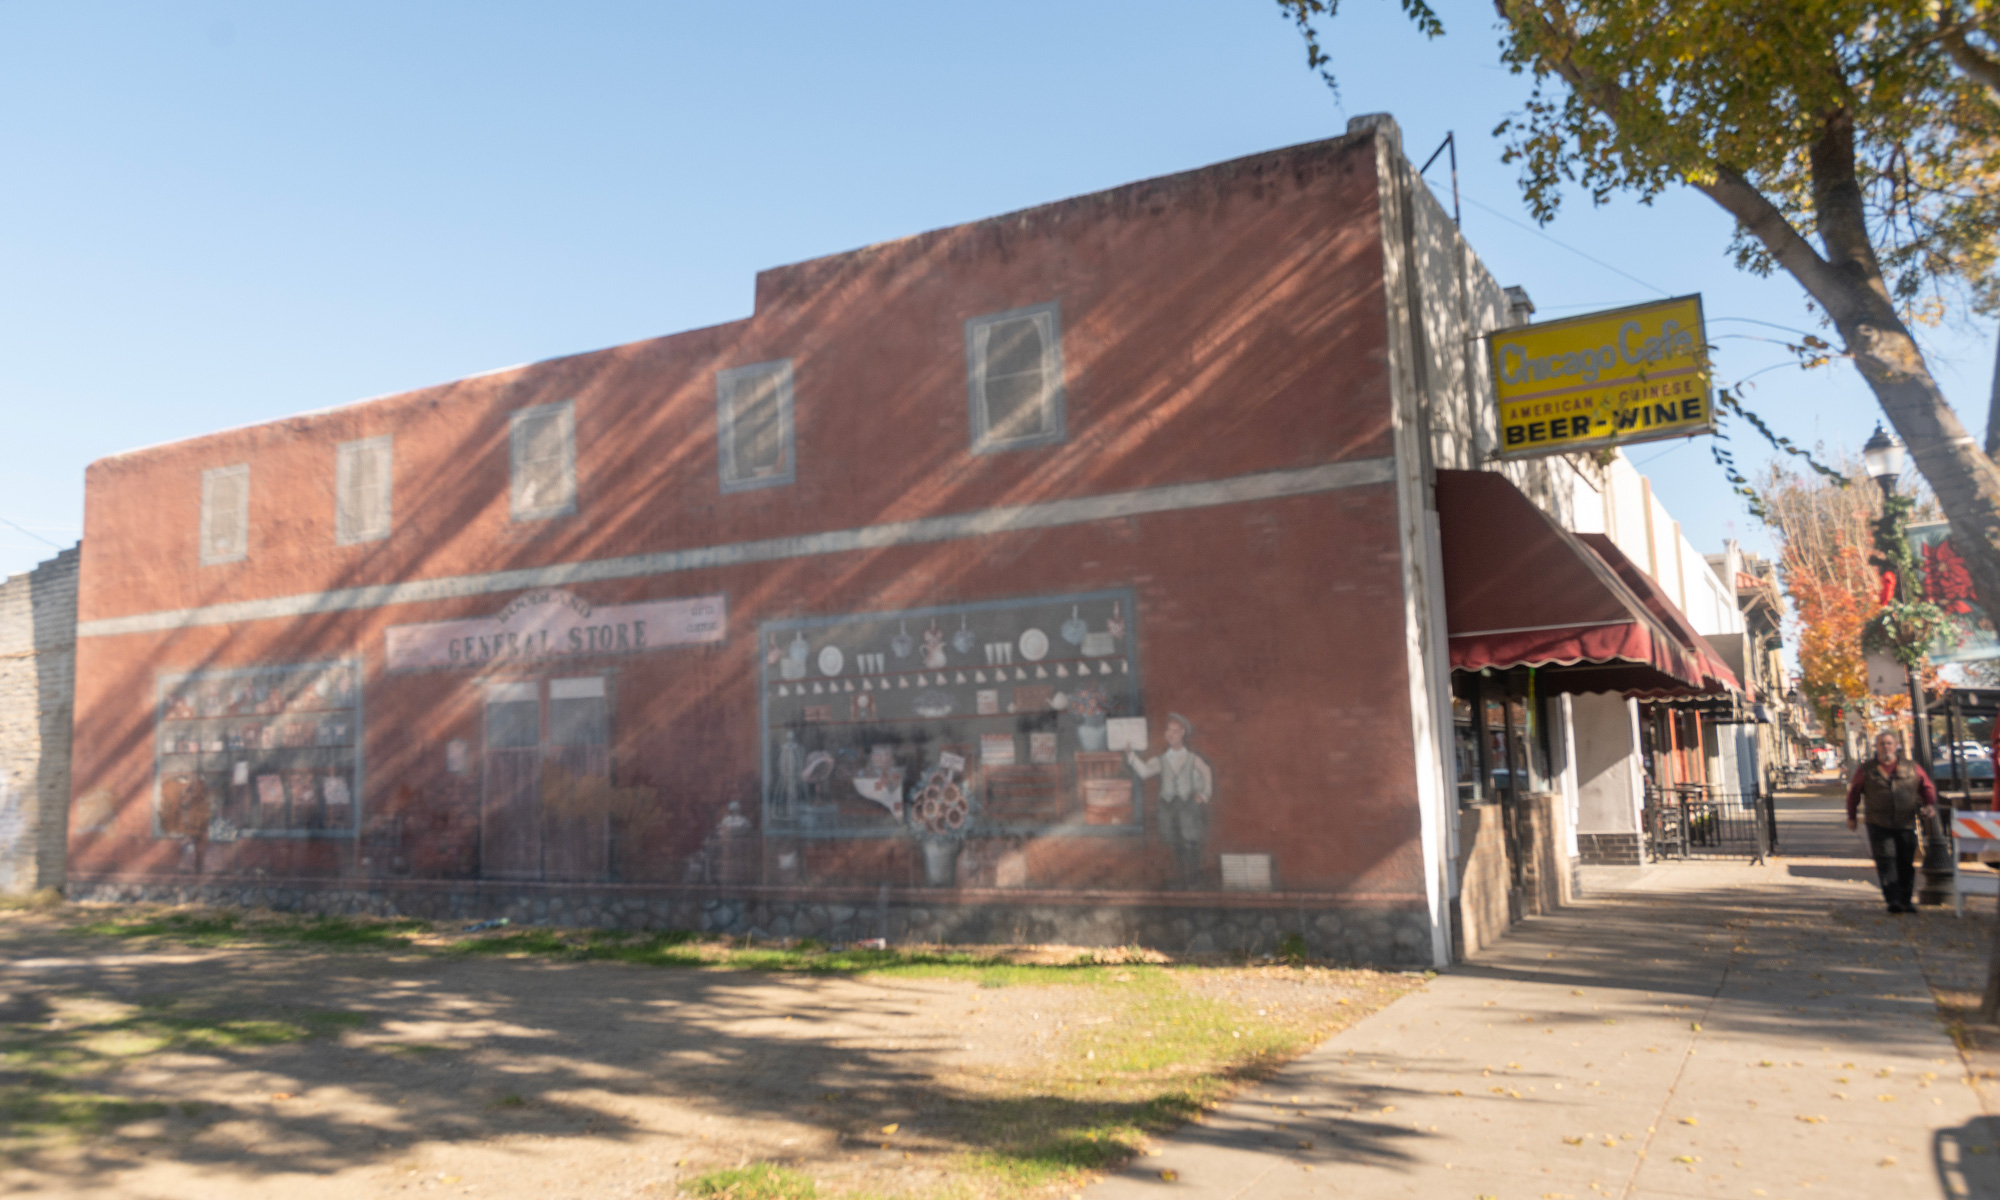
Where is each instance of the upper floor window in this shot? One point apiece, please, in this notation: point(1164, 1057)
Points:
point(225, 513)
point(361, 490)
point(753, 409)
point(1013, 364)
point(544, 450)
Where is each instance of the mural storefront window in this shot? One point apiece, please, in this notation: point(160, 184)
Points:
point(262, 751)
point(1006, 717)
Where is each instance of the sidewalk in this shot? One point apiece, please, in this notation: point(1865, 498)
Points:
point(1700, 1029)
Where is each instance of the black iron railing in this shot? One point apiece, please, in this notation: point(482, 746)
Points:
point(1698, 821)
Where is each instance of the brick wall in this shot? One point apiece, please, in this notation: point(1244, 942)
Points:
point(37, 687)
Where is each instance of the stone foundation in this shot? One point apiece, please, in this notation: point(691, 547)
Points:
point(1333, 927)
point(1611, 849)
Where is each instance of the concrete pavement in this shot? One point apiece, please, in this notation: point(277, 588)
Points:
point(1705, 1029)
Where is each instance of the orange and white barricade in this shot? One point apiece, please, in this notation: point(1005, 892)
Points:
point(1976, 833)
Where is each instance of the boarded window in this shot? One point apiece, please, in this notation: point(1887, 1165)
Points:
point(754, 420)
point(544, 446)
point(362, 490)
point(1014, 376)
point(225, 513)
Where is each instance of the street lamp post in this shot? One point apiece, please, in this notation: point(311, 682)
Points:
point(1884, 457)
point(1883, 454)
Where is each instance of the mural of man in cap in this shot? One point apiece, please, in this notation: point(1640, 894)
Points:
point(1187, 785)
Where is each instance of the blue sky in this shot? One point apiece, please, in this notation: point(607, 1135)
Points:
point(222, 213)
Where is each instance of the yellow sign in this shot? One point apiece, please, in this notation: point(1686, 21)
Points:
point(1628, 375)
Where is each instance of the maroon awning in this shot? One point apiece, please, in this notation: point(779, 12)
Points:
point(1520, 590)
point(1717, 678)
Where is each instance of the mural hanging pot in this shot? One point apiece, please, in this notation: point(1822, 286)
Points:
point(902, 644)
point(964, 640)
point(1076, 628)
point(799, 648)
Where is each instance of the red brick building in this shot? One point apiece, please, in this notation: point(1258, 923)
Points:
point(1060, 575)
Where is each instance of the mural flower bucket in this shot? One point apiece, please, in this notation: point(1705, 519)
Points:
point(940, 811)
point(941, 861)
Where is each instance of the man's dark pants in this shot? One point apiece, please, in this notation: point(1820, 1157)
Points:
point(1895, 853)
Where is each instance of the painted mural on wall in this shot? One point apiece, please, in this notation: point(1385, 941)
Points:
point(259, 751)
point(1011, 717)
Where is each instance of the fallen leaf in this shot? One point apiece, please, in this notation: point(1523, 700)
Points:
point(1305, 1143)
point(1575, 1141)
point(892, 1127)
point(1812, 1120)
point(1887, 1162)
point(1170, 1175)
point(281, 1095)
point(1690, 1121)
point(1695, 1025)
point(1885, 1097)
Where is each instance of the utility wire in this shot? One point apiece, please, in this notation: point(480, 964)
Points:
point(1489, 209)
point(31, 533)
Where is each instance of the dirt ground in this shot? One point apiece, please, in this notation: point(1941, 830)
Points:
point(155, 1068)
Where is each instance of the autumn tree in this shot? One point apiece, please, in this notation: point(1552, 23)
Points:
point(1855, 142)
point(1822, 531)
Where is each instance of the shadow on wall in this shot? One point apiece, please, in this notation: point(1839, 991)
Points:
point(1146, 359)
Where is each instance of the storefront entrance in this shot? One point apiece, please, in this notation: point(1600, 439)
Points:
point(547, 771)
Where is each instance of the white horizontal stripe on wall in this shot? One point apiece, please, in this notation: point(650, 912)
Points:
point(1267, 485)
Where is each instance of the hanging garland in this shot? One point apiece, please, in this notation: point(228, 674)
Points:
point(1904, 628)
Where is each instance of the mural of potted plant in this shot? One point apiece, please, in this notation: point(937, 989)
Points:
point(940, 813)
point(1090, 705)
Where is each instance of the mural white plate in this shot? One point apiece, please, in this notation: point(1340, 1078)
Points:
point(1034, 645)
point(831, 660)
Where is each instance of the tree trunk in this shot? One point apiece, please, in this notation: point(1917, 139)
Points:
point(1993, 408)
point(1964, 480)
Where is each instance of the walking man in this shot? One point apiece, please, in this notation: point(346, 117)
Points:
point(1890, 790)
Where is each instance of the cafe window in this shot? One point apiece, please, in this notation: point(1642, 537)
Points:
point(1465, 748)
point(362, 490)
point(225, 514)
point(754, 420)
point(1014, 378)
point(543, 442)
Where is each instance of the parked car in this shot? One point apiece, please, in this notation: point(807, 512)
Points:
point(1977, 772)
point(1966, 750)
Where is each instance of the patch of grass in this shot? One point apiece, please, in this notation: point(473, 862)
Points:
point(30, 1110)
point(204, 928)
point(509, 1100)
point(39, 900)
point(198, 928)
point(1037, 1141)
point(347, 933)
point(758, 1181)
